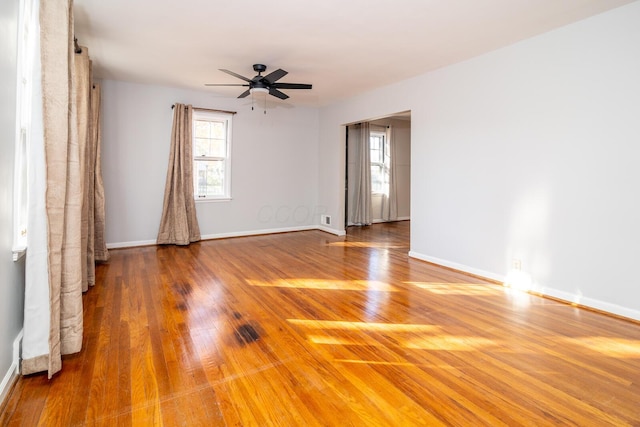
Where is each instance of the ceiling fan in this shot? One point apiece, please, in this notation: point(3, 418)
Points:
point(264, 84)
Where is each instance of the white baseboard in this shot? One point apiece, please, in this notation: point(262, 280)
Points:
point(380, 221)
point(133, 244)
point(456, 266)
point(120, 245)
point(544, 291)
point(14, 370)
point(331, 230)
point(589, 302)
point(400, 218)
point(257, 232)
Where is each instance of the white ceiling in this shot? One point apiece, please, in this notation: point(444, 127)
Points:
point(342, 47)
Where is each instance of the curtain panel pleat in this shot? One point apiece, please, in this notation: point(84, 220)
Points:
point(99, 221)
point(179, 223)
point(60, 266)
point(82, 106)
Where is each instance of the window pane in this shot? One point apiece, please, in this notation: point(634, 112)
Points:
point(201, 147)
point(377, 179)
point(203, 129)
point(376, 142)
point(210, 139)
point(209, 148)
point(209, 178)
point(218, 130)
point(217, 148)
point(376, 156)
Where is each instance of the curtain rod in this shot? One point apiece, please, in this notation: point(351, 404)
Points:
point(372, 124)
point(209, 109)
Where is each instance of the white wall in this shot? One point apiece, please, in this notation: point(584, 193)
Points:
point(11, 273)
point(274, 164)
point(527, 152)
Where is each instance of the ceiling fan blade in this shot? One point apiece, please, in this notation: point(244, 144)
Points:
point(291, 86)
point(276, 75)
point(245, 93)
point(223, 84)
point(235, 75)
point(277, 93)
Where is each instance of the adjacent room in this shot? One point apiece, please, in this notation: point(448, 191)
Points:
point(328, 213)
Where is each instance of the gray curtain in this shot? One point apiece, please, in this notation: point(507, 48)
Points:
point(390, 198)
point(360, 206)
point(179, 223)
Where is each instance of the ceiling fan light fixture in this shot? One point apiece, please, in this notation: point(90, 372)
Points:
point(259, 95)
point(259, 91)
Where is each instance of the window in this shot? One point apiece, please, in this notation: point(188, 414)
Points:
point(211, 155)
point(379, 152)
point(26, 53)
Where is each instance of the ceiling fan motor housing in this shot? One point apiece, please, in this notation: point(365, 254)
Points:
point(259, 68)
point(261, 83)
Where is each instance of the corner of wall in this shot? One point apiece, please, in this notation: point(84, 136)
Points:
point(11, 376)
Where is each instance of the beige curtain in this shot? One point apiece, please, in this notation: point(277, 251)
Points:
point(68, 152)
point(63, 198)
point(179, 224)
point(87, 103)
point(81, 87)
point(99, 243)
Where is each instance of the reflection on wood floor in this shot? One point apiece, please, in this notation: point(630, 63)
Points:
point(307, 328)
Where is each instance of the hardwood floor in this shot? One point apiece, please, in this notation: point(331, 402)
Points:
point(310, 329)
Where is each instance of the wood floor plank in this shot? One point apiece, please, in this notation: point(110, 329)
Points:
point(312, 329)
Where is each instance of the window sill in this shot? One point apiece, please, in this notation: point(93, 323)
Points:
point(19, 253)
point(220, 199)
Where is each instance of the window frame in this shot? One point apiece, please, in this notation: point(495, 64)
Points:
point(383, 166)
point(227, 119)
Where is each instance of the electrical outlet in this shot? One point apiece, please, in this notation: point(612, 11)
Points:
point(516, 264)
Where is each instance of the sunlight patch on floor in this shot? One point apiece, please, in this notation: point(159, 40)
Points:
point(457, 288)
point(363, 326)
point(342, 285)
point(412, 336)
point(377, 245)
point(448, 342)
point(360, 339)
point(383, 363)
point(612, 347)
point(431, 342)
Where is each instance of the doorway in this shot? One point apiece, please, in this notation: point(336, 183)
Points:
point(388, 149)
